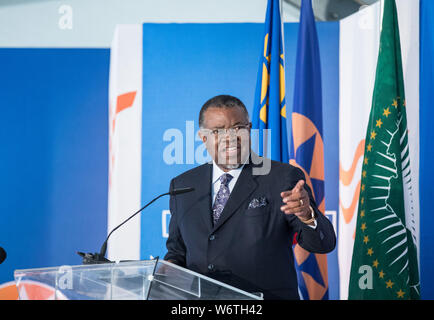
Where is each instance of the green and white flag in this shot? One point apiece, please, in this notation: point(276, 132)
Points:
point(385, 263)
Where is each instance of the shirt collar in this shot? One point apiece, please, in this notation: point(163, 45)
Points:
point(217, 172)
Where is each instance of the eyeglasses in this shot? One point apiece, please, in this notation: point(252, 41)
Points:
point(230, 131)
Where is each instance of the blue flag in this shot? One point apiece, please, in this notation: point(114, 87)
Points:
point(307, 147)
point(269, 112)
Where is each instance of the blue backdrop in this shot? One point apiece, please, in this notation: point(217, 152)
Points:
point(54, 161)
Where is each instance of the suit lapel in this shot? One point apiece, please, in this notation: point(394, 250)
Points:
point(244, 187)
point(204, 196)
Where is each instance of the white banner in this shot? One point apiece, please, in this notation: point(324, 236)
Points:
point(125, 141)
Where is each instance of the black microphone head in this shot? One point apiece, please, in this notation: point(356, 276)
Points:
point(176, 191)
point(2, 255)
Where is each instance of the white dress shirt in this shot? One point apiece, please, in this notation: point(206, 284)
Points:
point(217, 173)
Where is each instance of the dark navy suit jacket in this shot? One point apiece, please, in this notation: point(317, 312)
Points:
point(249, 248)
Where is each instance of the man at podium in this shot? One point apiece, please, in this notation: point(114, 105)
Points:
point(238, 225)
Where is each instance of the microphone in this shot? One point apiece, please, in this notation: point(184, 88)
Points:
point(2, 255)
point(174, 192)
point(89, 258)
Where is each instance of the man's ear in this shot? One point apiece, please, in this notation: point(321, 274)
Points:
point(202, 136)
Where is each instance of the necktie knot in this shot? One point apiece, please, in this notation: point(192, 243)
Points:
point(225, 179)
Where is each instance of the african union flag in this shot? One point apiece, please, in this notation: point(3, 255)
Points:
point(307, 148)
point(269, 113)
point(385, 263)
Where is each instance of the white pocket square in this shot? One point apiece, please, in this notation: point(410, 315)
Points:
point(258, 202)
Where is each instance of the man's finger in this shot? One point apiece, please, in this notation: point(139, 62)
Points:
point(296, 196)
point(299, 186)
point(285, 193)
point(295, 211)
point(290, 205)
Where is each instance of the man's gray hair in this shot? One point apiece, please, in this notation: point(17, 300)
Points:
point(222, 101)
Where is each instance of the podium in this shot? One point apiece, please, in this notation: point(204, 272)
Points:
point(134, 280)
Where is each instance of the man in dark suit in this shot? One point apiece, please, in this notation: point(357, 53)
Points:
point(239, 223)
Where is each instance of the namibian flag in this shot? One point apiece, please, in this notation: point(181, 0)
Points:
point(269, 112)
point(307, 148)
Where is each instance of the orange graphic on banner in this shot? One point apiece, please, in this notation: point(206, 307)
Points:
point(349, 212)
point(123, 101)
point(347, 176)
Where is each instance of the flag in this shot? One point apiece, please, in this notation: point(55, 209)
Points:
point(269, 112)
point(307, 148)
point(384, 263)
point(359, 40)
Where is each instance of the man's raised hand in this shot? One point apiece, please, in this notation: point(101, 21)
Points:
point(296, 201)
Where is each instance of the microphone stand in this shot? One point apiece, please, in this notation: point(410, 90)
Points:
point(98, 258)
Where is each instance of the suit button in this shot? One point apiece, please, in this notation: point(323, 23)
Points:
point(211, 237)
point(210, 267)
